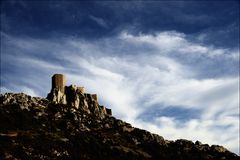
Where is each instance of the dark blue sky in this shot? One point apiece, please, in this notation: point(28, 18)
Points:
point(78, 18)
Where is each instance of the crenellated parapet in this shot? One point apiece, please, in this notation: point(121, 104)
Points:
point(75, 96)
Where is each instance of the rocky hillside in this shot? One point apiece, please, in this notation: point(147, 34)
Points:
point(36, 128)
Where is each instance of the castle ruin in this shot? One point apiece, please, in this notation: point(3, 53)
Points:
point(59, 82)
point(75, 96)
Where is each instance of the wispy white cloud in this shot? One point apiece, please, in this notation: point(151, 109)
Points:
point(148, 73)
point(174, 42)
point(101, 22)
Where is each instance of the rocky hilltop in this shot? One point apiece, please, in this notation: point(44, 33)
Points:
point(71, 124)
point(36, 128)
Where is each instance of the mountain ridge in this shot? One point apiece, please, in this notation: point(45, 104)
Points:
point(37, 128)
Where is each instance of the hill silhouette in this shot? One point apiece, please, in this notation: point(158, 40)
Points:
point(37, 128)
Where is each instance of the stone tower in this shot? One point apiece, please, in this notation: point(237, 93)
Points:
point(75, 96)
point(59, 82)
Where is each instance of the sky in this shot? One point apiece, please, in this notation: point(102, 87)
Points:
point(170, 67)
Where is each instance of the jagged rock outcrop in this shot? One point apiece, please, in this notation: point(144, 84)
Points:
point(75, 96)
point(37, 128)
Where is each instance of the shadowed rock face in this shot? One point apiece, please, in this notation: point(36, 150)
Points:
point(74, 97)
point(36, 128)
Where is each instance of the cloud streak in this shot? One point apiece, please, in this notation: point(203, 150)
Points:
point(99, 21)
point(135, 73)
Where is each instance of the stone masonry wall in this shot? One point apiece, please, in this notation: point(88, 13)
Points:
point(59, 82)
